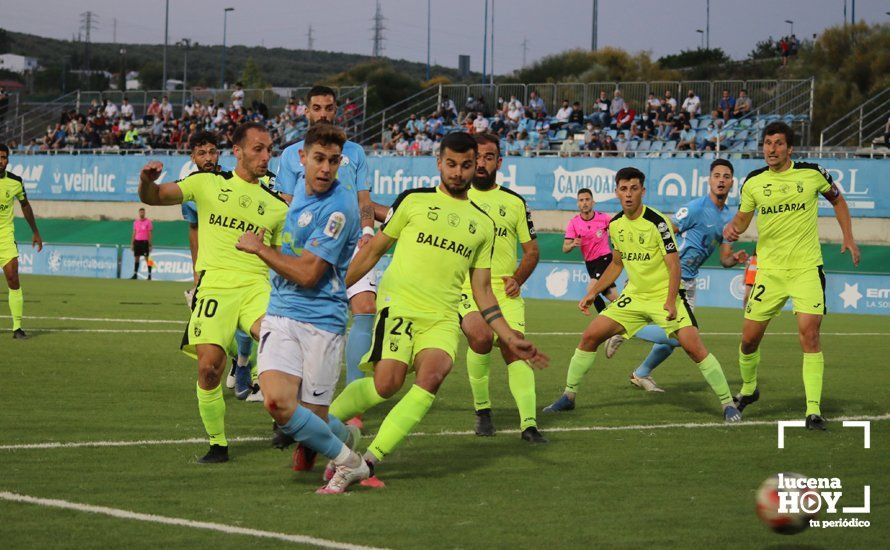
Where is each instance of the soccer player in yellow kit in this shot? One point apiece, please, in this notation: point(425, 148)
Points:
point(233, 289)
point(513, 227)
point(12, 188)
point(442, 236)
point(643, 242)
point(789, 259)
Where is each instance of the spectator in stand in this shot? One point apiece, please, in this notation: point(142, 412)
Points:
point(576, 119)
point(157, 133)
point(687, 138)
point(127, 112)
point(480, 123)
point(591, 137)
point(692, 105)
point(188, 110)
point(238, 96)
point(602, 116)
point(664, 119)
point(709, 141)
point(677, 126)
point(220, 116)
point(643, 128)
point(498, 126)
point(625, 117)
point(515, 112)
point(608, 146)
point(401, 145)
point(652, 105)
point(109, 109)
point(426, 144)
point(300, 111)
point(784, 50)
point(166, 109)
point(725, 106)
point(511, 146)
point(536, 107)
point(670, 100)
point(564, 112)
point(617, 105)
point(411, 125)
point(569, 147)
point(59, 137)
point(743, 105)
point(152, 111)
point(448, 109)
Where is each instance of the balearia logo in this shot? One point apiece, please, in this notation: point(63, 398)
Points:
point(600, 181)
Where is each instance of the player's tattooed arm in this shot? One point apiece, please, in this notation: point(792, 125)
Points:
point(305, 270)
point(380, 211)
point(480, 282)
point(153, 194)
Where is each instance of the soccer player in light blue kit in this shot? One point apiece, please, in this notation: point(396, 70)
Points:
point(353, 174)
point(301, 337)
point(699, 225)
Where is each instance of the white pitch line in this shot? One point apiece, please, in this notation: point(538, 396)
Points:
point(102, 319)
point(152, 518)
point(739, 334)
point(631, 427)
point(108, 330)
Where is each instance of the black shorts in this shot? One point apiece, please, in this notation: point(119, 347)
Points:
point(140, 248)
point(597, 266)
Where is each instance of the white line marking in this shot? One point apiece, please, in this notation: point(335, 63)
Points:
point(866, 430)
point(151, 518)
point(788, 424)
point(107, 330)
point(102, 319)
point(197, 440)
point(739, 333)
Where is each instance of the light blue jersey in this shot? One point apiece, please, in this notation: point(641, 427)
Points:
point(353, 172)
point(326, 225)
point(700, 224)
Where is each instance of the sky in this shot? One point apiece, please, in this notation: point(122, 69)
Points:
point(548, 26)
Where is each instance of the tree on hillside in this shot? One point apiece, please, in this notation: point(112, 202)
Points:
point(385, 84)
point(606, 64)
point(252, 76)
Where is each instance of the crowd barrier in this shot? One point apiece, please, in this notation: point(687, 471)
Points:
point(844, 292)
point(546, 183)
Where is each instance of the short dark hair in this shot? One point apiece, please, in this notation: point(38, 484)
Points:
point(4, 148)
point(324, 134)
point(321, 90)
point(241, 131)
point(459, 142)
point(779, 127)
point(203, 138)
point(722, 162)
point(488, 137)
point(584, 190)
point(630, 173)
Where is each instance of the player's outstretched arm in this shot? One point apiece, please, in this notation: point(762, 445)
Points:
point(672, 261)
point(368, 257)
point(305, 270)
point(480, 282)
point(380, 211)
point(596, 286)
point(842, 213)
point(737, 226)
point(531, 254)
point(28, 213)
point(153, 194)
point(728, 258)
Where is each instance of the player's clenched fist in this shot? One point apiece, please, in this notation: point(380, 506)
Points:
point(251, 242)
point(152, 170)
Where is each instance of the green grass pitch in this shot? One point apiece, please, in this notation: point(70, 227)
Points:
point(80, 380)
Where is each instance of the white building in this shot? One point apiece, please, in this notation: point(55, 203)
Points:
point(17, 63)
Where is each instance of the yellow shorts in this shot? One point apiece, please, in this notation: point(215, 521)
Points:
point(773, 287)
point(401, 334)
point(512, 308)
point(634, 313)
point(8, 252)
point(218, 310)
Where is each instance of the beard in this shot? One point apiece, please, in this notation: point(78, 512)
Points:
point(457, 187)
point(485, 182)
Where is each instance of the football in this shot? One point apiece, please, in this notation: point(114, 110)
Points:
point(783, 523)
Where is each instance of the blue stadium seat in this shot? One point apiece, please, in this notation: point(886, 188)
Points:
point(669, 146)
point(731, 123)
point(736, 156)
point(743, 135)
point(562, 135)
point(751, 145)
point(693, 124)
point(745, 123)
point(709, 155)
point(633, 145)
point(644, 145)
point(681, 154)
point(613, 133)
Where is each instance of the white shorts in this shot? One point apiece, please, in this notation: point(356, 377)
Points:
point(368, 283)
point(689, 286)
point(301, 350)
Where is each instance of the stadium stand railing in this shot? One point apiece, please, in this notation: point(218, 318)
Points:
point(861, 127)
point(788, 100)
point(32, 119)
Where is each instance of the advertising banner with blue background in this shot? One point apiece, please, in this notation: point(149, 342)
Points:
point(845, 293)
point(547, 183)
